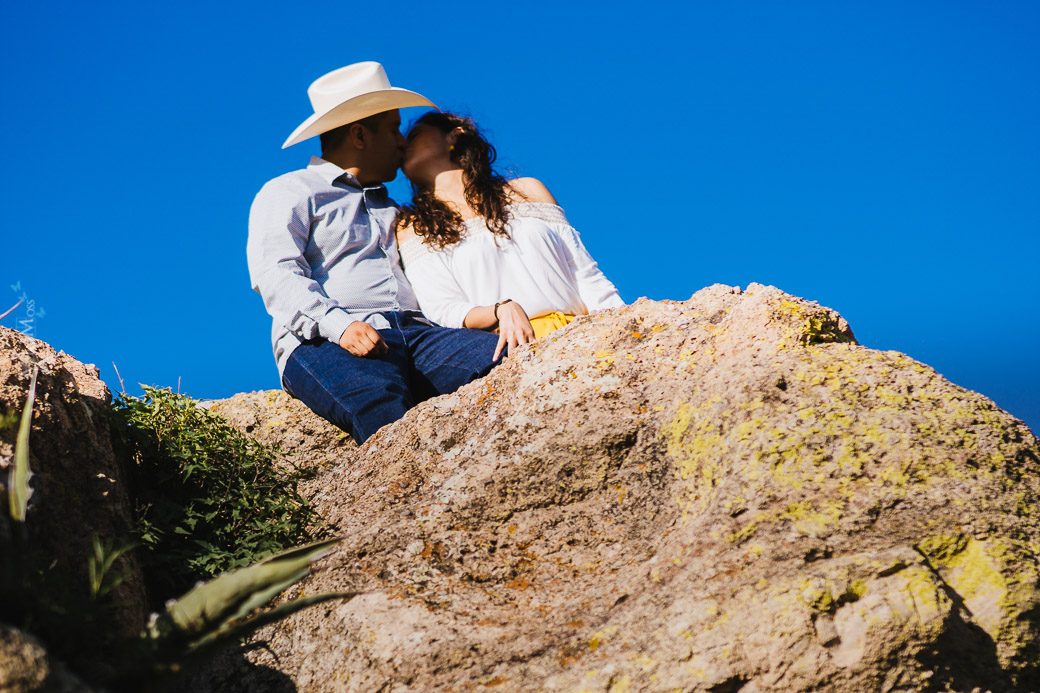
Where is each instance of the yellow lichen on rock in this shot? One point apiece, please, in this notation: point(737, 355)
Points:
point(694, 445)
point(814, 518)
point(736, 497)
point(980, 573)
point(804, 324)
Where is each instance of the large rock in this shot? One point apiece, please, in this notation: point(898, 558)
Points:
point(25, 667)
point(722, 494)
point(78, 486)
point(305, 440)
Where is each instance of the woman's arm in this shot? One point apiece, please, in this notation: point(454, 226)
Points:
point(443, 300)
point(514, 327)
point(596, 291)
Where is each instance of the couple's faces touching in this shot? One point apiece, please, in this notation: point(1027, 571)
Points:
point(425, 153)
point(428, 152)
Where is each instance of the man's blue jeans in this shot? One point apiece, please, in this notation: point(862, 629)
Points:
point(362, 394)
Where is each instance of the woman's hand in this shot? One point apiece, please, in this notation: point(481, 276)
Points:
point(514, 327)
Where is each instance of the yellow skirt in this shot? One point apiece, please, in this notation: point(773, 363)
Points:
point(544, 324)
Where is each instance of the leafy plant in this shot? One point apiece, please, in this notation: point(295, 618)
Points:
point(99, 567)
point(227, 607)
point(36, 596)
point(213, 613)
point(210, 499)
point(18, 490)
point(14, 577)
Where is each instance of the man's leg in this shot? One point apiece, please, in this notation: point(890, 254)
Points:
point(446, 359)
point(358, 394)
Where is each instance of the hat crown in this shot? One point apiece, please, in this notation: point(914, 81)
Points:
point(332, 89)
point(349, 94)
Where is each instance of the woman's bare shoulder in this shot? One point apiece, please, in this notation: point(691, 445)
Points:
point(530, 190)
point(404, 231)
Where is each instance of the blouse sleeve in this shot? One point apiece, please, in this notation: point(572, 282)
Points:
point(440, 297)
point(595, 289)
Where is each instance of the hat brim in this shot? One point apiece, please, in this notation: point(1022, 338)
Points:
point(355, 109)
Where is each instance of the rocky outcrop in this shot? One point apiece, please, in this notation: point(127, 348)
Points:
point(78, 487)
point(305, 440)
point(721, 494)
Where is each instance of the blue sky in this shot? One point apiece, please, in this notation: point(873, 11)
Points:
point(881, 158)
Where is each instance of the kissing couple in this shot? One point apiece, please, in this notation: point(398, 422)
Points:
point(376, 307)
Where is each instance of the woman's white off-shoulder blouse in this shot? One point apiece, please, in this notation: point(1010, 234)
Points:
point(543, 266)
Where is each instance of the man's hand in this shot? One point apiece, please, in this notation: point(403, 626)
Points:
point(361, 339)
point(514, 327)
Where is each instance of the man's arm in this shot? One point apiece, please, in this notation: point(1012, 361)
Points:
point(279, 229)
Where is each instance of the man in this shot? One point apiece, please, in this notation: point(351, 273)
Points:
point(349, 340)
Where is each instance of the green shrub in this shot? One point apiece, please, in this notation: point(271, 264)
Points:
point(81, 627)
point(209, 499)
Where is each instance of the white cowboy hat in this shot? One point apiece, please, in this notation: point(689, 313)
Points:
point(349, 94)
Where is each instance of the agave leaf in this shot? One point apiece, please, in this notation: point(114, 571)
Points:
point(18, 490)
point(94, 566)
point(258, 599)
point(211, 605)
point(10, 310)
point(233, 631)
point(99, 566)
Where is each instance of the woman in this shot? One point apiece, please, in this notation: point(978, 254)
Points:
point(483, 252)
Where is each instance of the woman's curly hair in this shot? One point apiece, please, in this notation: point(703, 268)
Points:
point(485, 190)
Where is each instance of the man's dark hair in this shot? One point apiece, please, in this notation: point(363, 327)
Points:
point(331, 140)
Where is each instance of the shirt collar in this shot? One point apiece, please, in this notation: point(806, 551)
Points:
point(330, 173)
